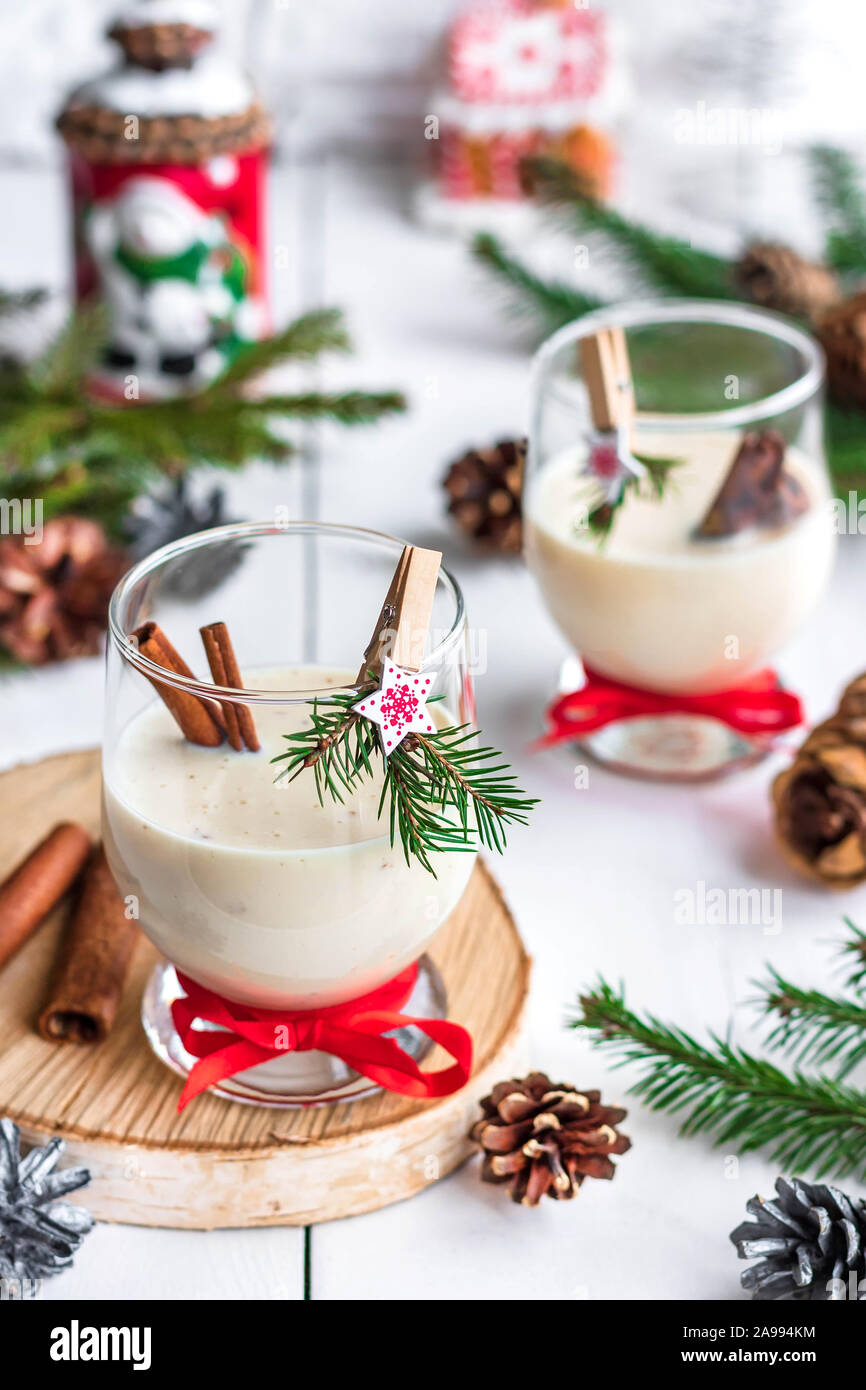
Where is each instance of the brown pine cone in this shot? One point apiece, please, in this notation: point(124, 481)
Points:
point(842, 334)
point(545, 1138)
point(820, 799)
point(485, 488)
point(778, 278)
point(54, 594)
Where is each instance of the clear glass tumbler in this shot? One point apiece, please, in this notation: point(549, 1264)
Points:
point(249, 886)
point(653, 604)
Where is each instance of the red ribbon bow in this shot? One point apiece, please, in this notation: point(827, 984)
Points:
point(351, 1031)
point(756, 707)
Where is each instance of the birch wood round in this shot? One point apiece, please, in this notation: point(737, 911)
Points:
point(221, 1163)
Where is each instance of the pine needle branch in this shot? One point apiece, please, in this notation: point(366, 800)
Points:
point(95, 456)
point(348, 407)
point(652, 484)
point(839, 189)
point(551, 302)
point(65, 363)
point(805, 1123)
point(669, 264)
point(814, 1027)
point(853, 953)
point(435, 785)
point(305, 339)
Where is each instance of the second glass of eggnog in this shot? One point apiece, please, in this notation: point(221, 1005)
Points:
point(654, 603)
point(250, 885)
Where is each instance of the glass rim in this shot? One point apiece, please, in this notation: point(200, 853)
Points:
point(249, 530)
point(644, 312)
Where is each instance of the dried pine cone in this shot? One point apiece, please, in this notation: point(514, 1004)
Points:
point(820, 799)
point(485, 487)
point(842, 334)
point(545, 1138)
point(778, 278)
point(54, 594)
point(811, 1241)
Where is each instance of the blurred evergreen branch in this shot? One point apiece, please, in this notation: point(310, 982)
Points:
point(669, 264)
point(672, 266)
point(86, 455)
point(551, 303)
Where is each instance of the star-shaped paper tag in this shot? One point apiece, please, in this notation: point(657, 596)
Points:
point(398, 706)
point(611, 463)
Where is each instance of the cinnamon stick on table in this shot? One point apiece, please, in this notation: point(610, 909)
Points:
point(240, 727)
point(92, 962)
point(38, 884)
point(199, 720)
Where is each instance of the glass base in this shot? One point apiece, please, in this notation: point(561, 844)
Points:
point(300, 1078)
point(673, 748)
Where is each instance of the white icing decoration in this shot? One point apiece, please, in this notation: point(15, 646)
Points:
point(212, 87)
point(526, 113)
point(140, 14)
point(483, 118)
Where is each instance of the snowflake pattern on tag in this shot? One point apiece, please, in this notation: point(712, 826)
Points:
point(398, 706)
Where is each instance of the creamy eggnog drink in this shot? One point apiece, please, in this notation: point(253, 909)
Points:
point(250, 885)
point(656, 604)
point(295, 827)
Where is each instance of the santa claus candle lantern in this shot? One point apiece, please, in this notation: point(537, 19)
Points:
point(168, 156)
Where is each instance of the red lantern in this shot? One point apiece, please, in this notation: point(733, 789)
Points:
point(168, 155)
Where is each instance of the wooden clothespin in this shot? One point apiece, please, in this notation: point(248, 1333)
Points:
point(404, 618)
point(606, 373)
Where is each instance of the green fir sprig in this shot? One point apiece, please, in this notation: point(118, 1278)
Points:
point(548, 304)
point(819, 1028)
point(83, 454)
point(853, 954)
point(804, 1122)
point(814, 1027)
point(653, 484)
point(443, 792)
point(667, 263)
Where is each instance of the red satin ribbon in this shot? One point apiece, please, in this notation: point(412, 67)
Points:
point(756, 707)
point(351, 1031)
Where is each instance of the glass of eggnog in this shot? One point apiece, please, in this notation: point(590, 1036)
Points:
point(691, 586)
point(251, 886)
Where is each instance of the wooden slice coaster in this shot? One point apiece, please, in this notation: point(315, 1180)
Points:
point(221, 1163)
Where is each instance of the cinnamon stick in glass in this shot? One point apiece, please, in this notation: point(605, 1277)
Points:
point(199, 720)
point(92, 961)
point(38, 884)
point(240, 726)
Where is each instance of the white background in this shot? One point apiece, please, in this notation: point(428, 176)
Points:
point(592, 886)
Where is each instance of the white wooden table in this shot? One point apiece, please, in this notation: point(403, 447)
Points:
point(593, 884)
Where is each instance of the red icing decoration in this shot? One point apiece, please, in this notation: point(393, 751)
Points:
point(488, 46)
